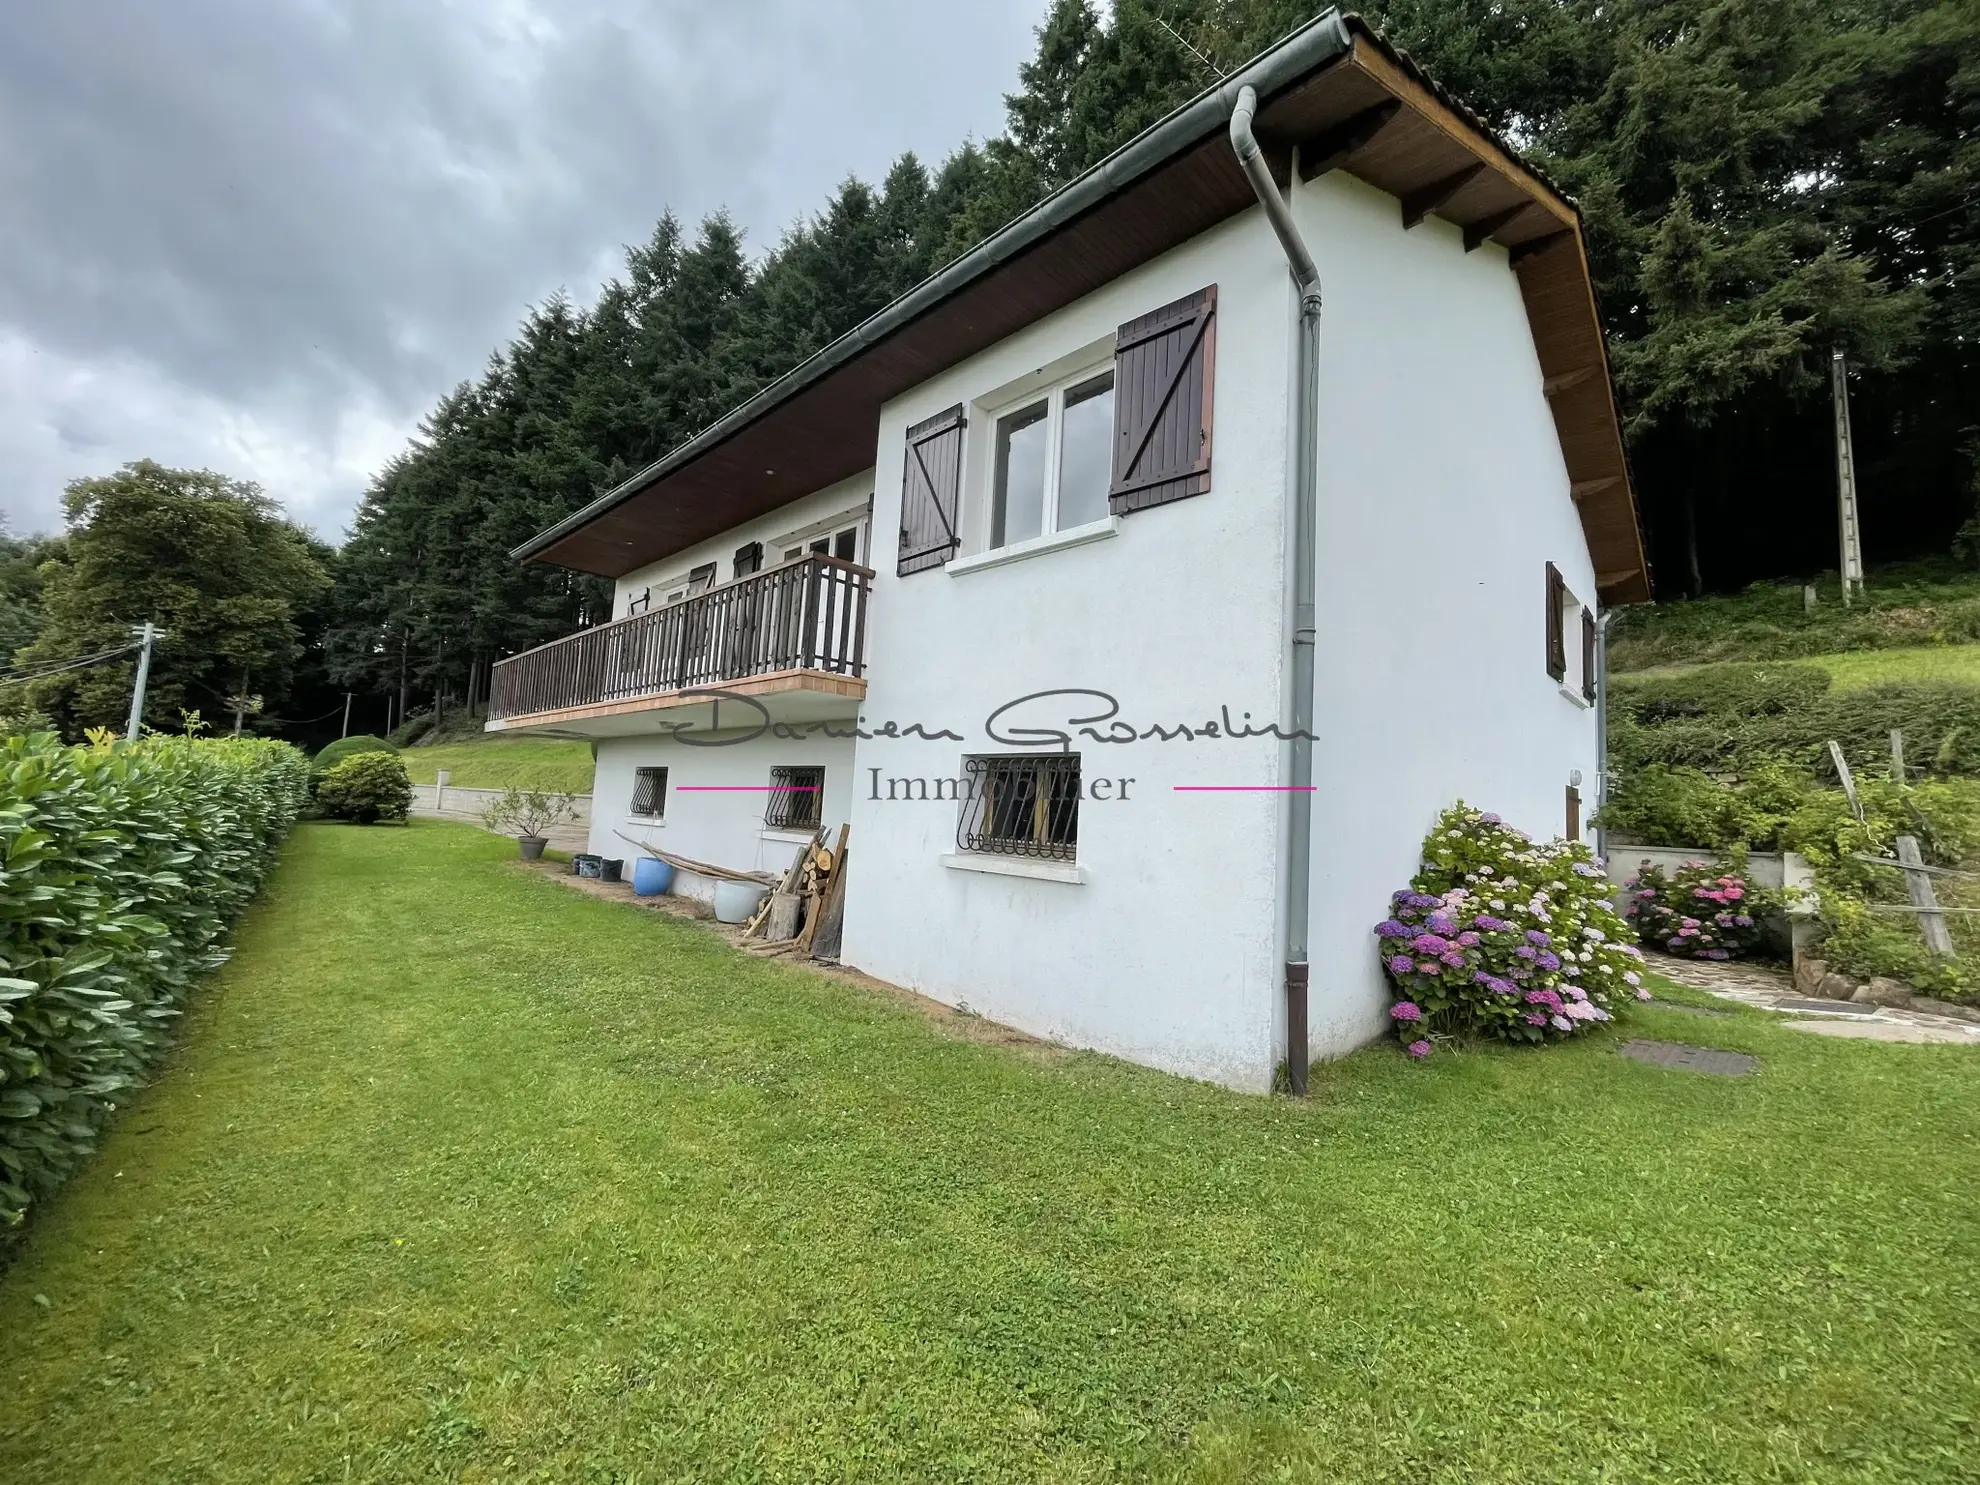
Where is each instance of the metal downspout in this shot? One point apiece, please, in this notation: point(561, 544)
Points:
point(1304, 497)
point(1602, 736)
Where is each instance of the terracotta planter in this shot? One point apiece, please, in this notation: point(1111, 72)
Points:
point(532, 846)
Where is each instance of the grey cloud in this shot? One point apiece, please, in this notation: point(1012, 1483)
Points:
point(285, 220)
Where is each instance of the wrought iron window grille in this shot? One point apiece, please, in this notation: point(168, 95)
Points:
point(1021, 806)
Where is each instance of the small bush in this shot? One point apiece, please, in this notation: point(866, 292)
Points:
point(1500, 937)
point(347, 747)
point(412, 729)
point(528, 813)
point(369, 788)
point(1698, 911)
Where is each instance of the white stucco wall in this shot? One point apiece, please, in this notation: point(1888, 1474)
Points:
point(721, 827)
point(1442, 497)
point(1167, 953)
point(721, 550)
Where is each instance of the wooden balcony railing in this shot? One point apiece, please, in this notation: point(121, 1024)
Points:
point(806, 615)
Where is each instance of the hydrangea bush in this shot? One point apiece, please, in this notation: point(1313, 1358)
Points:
point(1698, 911)
point(1500, 936)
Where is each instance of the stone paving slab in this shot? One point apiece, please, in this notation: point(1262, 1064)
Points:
point(1771, 989)
point(1710, 1060)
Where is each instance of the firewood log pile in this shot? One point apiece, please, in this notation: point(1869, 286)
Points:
point(803, 913)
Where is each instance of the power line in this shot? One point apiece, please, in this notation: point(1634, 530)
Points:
point(20, 677)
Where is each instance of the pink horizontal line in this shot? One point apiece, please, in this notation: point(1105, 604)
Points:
point(747, 788)
point(1244, 788)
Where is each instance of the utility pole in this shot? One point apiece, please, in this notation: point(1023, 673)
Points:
point(146, 635)
point(347, 716)
point(1852, 543)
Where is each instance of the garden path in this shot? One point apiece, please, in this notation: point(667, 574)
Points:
point(1773, 990)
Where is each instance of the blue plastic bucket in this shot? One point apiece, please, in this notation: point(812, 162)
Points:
point(651, 876)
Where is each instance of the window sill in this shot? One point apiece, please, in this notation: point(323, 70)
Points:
point(787, 837)
point(1576, 697)
point(1017, 866)
point(1017, 551)
point(646, 822)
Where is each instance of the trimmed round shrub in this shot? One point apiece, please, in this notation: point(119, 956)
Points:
point(1697, 911)
point(368, 788)
point(1501, 937)
point(346, 747)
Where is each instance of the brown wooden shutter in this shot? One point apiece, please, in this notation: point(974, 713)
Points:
point(1164, 373)
point(1587, 652)
point(1573, 813)
point(749, 559)
point(1556, 620)
point(930, 487)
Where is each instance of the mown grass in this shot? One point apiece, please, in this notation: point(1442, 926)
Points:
point(1958, 663)
point(1905, 606)
point(1854, 669)
point(496, 762)
point(464, 1176)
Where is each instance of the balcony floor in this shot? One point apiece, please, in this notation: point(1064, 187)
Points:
point(783, 695)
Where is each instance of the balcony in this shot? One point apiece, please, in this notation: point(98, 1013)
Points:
point(793, 637)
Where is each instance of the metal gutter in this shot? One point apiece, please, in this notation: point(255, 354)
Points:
point(1286, 62)
point(1302, 494)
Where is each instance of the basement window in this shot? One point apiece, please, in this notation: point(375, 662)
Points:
point(649, 800)
point(1021, 806)
point(796, 799)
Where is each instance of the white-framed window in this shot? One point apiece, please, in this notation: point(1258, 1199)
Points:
point(1052, 459)
point(1570, 638)
point(843, 543)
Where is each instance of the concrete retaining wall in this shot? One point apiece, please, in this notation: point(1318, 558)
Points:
point(452, 802)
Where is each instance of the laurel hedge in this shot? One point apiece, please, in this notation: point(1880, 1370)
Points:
point(122, 866)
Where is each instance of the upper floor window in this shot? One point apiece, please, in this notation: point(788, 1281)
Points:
point(843, 544)
point(1570, 637)
point(1054, 461)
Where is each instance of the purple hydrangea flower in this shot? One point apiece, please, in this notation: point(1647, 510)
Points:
point(1527, 952)
point(1544, 997)
point(1538, 939)
point(1560, 1023)
point(1488, 924)
point(1406, 1010)
point(1441, 923)
point(1390, 928)
point(1428, 943)
point(1452, 957)
point(1549, 961)
point(1467, 940)
point(1418, 1049)
point(1536, 1019)
point(1490, 820)
point(1401, 964)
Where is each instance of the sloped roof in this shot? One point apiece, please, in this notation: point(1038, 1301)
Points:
point(1335, 91)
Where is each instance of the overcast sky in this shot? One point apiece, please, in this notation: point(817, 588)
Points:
point(263, 236)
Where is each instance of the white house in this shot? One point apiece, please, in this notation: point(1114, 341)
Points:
point(1009, 578)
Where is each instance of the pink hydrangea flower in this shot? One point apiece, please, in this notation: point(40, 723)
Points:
point(1418, 1049)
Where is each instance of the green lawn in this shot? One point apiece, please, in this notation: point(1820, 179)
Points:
point(1959, 663)
point(495, 762)
point(464, 1176)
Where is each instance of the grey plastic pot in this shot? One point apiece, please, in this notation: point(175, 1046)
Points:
point(532, 846)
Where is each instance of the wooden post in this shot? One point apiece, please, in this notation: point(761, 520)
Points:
point(1848, 779)
point(1897, 756)
point(1918, 883)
